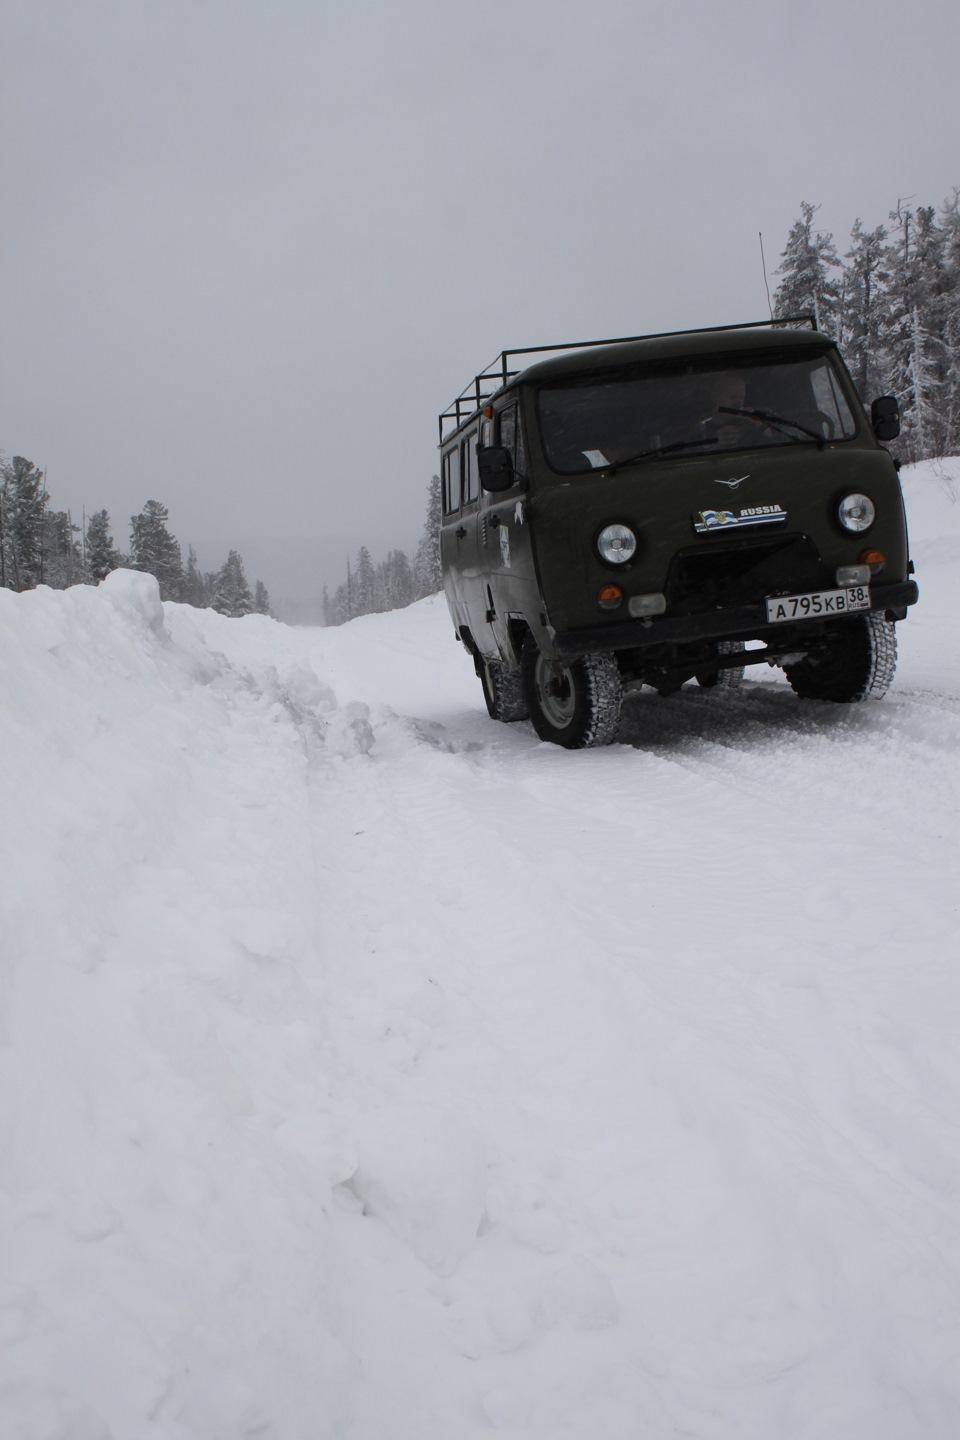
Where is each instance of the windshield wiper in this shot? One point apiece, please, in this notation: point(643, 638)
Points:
point(662, 450)
point(767, 418)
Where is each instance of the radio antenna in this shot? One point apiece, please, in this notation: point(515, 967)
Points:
point(764, 264)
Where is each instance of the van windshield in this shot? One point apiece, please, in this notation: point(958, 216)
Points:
point(597, 421)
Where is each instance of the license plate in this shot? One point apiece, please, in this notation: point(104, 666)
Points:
point(819, 602)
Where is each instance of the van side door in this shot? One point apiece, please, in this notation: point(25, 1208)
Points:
point(472, 559)
point(506, 559)
point(449, 528)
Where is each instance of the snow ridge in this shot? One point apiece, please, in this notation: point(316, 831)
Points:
point(371, 1069)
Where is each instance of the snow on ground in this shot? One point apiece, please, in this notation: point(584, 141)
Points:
point(370, 1070)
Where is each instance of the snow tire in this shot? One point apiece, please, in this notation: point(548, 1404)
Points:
point(730, 679)
point(855, 661)
point(577, 708)
point(503, 692)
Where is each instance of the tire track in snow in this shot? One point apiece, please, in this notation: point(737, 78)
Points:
point(612, 1025)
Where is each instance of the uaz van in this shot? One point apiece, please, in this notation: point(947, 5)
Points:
point(634, 512)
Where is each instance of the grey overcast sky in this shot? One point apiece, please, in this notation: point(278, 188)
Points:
point(251, 249)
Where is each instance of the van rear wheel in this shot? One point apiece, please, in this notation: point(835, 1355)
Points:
point(502, 692)
point(575, 704)
point(855, 660)
point(730, 678)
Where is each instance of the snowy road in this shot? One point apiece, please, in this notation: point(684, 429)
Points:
point(375, 1071)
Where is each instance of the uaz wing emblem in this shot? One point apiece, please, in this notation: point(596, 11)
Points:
point(732, 483)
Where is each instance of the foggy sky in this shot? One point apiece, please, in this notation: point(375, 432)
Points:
point(251, 250)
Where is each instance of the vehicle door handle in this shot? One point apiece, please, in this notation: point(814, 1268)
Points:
point(460, 531)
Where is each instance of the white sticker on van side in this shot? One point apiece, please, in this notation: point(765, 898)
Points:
point(505, 547)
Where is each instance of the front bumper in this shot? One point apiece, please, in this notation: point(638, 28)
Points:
point(743, 621)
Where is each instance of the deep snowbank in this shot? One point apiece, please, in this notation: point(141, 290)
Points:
point(370, 1070)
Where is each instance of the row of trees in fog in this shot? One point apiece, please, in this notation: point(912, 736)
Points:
point(372, 587)
point(892, 302)
point(43, 546)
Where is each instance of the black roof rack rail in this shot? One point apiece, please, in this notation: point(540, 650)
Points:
point(498, 372)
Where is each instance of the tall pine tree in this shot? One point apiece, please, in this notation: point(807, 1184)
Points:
point(950, 225)
point(62, 557)
point(231, 593)
point(23, 503)
point(100, 554)
point(427, 572)
point(863, 308)
point(807, 286)
point(195, 589)
point(364, 584)
point(261, 599)
point(154, 550)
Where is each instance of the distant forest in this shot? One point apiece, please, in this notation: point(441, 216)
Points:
point(43, 546)
point(371, 587)
point(891, 301)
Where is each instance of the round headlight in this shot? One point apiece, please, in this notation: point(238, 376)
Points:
point(616, 544)
point(856, 512)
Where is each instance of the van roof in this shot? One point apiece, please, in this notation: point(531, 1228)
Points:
point(581, 355)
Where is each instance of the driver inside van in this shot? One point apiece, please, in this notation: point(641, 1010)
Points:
point(727, 390)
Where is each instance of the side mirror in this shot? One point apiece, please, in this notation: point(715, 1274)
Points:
point(885, 417)
point(495, 465)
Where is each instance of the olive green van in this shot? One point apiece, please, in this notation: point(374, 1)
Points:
point(634, 512)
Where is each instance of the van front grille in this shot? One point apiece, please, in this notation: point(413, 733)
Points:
point(742, 573)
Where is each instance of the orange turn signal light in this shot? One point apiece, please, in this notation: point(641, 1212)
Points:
point(609, 597)
point(872, 557)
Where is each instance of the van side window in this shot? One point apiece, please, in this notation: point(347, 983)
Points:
point(451, 481)
point(511, 437)
point(471, 478)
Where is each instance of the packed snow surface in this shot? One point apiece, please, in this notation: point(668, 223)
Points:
point(371, 1070)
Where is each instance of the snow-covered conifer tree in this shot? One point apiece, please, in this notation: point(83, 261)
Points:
point(154, 550)
point(914, 344)
point(398, 581)
point(62, 557)
point(806, 287)
point(342, 607)
point(101, 555)
point(231, 593)
point(427, 573)
point(950, 226)
point(261, 599)
point(863, 309)
point(196, 589)
point(364, 584)
point(23, 502)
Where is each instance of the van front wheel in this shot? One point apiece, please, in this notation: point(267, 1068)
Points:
point(576, 704)
point(854, 660)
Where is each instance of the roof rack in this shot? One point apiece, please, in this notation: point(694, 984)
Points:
point(495, 375)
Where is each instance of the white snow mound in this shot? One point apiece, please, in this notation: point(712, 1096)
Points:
point(370, 1070)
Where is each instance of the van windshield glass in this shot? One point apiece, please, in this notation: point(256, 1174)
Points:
point(599, 421)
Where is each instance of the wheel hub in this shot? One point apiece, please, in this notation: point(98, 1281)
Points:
point(556, 693)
